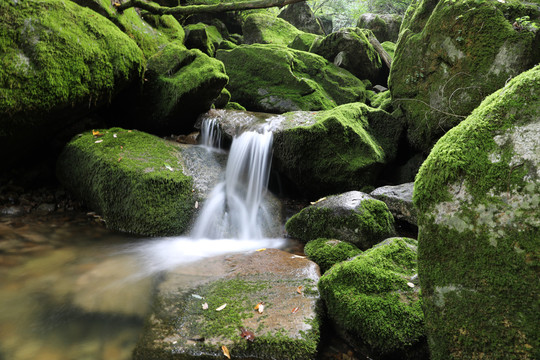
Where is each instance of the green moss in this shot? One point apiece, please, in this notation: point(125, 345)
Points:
point(275, 78)
point(264, 28)
point(478, 254)
point(303, 41)
point(326, 252)
point(134, 180)
point(234, 106)
point(444, 65)
point(389, 47)
point(369, 298)
point(343, 150)
point(363, 226)
point(204, 37)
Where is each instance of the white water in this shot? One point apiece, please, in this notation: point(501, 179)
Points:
point(210, 133)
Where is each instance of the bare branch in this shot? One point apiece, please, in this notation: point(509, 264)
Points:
point(198, 9)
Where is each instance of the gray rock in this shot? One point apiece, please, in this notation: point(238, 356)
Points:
point(399, 201)
point(287, 328)
point(385, 27)
point(302, 17)
point(354, 217)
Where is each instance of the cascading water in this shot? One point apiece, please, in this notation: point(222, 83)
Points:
point(210, 134)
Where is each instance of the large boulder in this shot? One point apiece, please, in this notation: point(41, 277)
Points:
point(354, 217)
point(180, 84)
point(302, 17)
point(328, 252)
point(385, 27)
point(259, 305)
point(263, 28)
point(59, 61)
point(350, 49)
point(137, 182)
point(450, 55)
point(478, 196)
point(206, 38)
point(399, 201)
point(374, 300)
point(274, 78)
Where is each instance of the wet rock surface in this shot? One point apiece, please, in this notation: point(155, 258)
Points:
point(287, 326)
point(398, 198)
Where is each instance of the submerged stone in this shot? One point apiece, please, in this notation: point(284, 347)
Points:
point(354, 217)
point(374, 300)
point(273, 78)
point(232, 287)
point(451, 55)
point(478, 196)
point(137, 182)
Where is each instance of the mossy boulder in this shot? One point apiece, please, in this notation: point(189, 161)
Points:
point(336, 150)
point(134, 180)
point(389, 47)
point(288, 327)
point(354, 217)
point(451, 55)
point(328, 252)
point(58, 62)
point(302, 17)
point(274, 78)
point(304, 41)
point(180, 84)
point(264, 28)
point(374, 299)
point(478, 196)
point(350, 49)
point(204, 37)
point(385, 27)
point(399, 201)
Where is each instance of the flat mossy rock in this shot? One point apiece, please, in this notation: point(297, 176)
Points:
point(302, 17)
point(478, 196)
point(336, 150)
point(262, 28)
point(385, 27)
point(304, 41)
point(181, 84)
point(134, 180)
point(451, 55)
point(287, 328)
point(354, 217)
point(328, 252)
point(375, 301)
point(274, 78)
point(58, 61)
point(350, 49)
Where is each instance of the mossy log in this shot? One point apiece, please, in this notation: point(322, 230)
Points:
point(198, 9)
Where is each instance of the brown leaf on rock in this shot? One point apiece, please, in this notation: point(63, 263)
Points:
point(225, 351)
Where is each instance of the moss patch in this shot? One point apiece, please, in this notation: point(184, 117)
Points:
point(327, 252)
point(264, 28)
point(477, 195)
point(369, 296)
point(134, 180)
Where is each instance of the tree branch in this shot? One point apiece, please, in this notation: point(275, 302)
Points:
point(197, 9)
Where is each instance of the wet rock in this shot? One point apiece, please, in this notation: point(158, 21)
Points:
point(478, 196)
point(385, 27)
point(375, 303)
point(302, 17)
point(44, 209)
point(13, 210)
point(399, 201)
point(288, 327)
point(354, 217)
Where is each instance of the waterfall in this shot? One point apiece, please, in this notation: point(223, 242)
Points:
point(235, 209)
point(210, 133)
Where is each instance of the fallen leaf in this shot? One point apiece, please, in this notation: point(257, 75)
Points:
point(261, 249)
point(197, 296)
point(97, 133)
point(168, 167)
point(196, 204)
point(410, 284)
point(114, 135)
point(261, 308)
point(119, 159)
point(246, 334)
point(299, 289)
point(297, 257)
point(221, 307)
point(225, 351)
point(295, 310)
point(205, 306)
point(98, 141)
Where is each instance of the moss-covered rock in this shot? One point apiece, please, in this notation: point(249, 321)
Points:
point(374, 298)
point(478, 197)
point(451, 54)
point(288, 326)
point(399, 201)
point(336, 150)
point(180, 84)
point(204, 37)
point(353, 217)
point(58, 61)
point(350, 49)
point(385, 27)
point(389, 47)
point(264, 28)
point(134, 180)
point(304, 41)
point(274, 78)
point(327, 252)
point(302, 17)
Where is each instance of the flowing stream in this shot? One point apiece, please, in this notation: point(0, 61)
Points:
point(81, 292)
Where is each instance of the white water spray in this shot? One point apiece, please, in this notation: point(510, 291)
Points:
point(211, 133)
